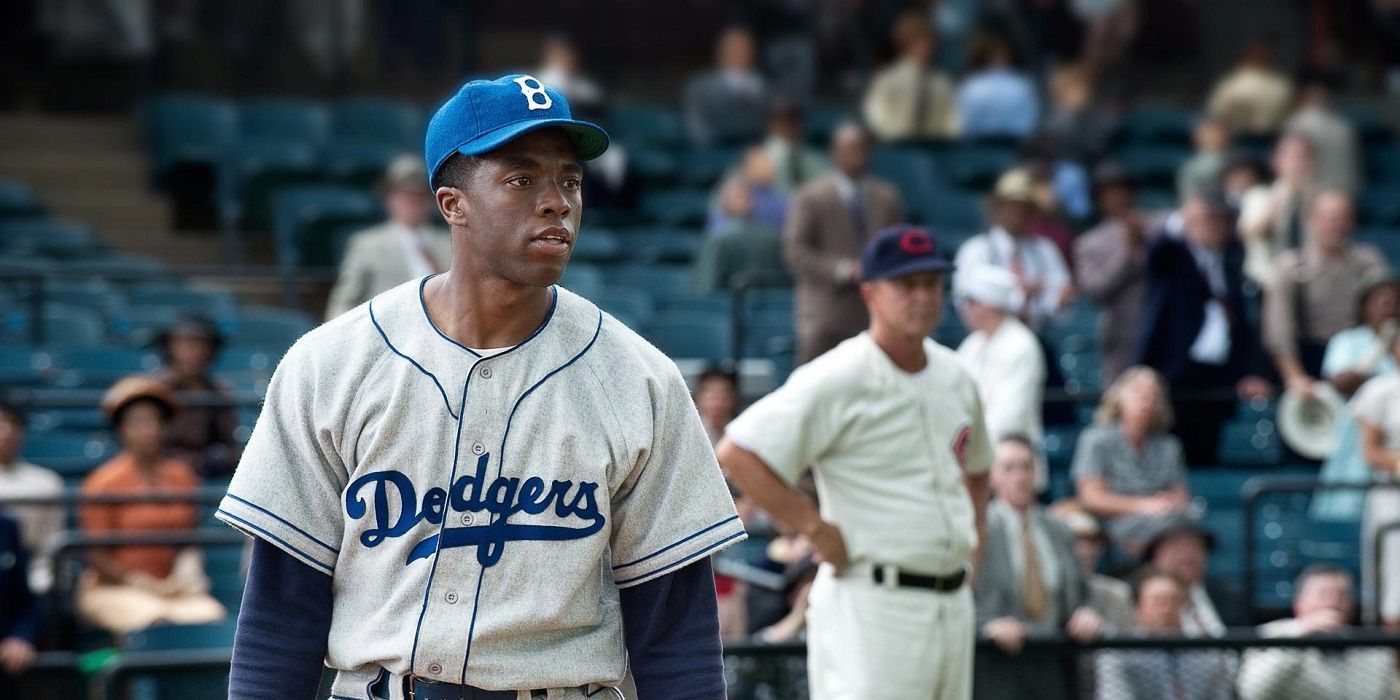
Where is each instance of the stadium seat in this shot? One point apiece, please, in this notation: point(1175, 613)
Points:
point(584, 279)
point(306, 216)
point(703, 304)
point(285, 119)
point(210, 302)
point(977, 164)
point(94, 293)
point(216, 635)
point(653, 165)
point(391, 122)
point(1152, 165)
point(189, 129)
point(357, 162)
point(1250, 444)
point(56, 238)
point(18, 200)
point(1059, 443)
point(1080, 366)
point(265, 327)
point(72, 419)
point(637, 123)
point(629, 306)
point(769, 304)
point(703, 167)
point(99, 368)
point(822, 119)
point(26, 366)
point(769, 340)
point(659, 281)
point(598, 245)
point(70, 453)
point(955, 215)
point(119, 266)
point(676, 206)
point(691, 336)
point(62, 326)
point(1387, 238)
point(257, 169)
point(664, 245)
point(1156, 125)
point(915, 172)
point(1383, 164)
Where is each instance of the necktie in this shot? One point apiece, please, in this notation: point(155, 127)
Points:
point(1034, 599)
point(921, 104)
point(793, 165)
point(857, 209)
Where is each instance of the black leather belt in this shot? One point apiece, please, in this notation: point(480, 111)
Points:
point(906, 579)
point(415, 688)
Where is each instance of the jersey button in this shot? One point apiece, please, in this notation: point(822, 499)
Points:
point(467, 519)
point(485, 372)
point(451, 597)
point(478, 449)
point(435, 669)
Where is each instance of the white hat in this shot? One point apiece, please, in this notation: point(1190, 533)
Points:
point(1309, 425)
point(990, 285)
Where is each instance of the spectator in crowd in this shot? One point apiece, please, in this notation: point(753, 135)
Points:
point(561, 67)
point(22, 479)
point(1111, 26)
point(794, 162)
point(717, 400)
point(1127, 468)
point(768, 204)
point(740, 247)
point(1028, 582)
point(911, 99)
point(1376, 408)
point(1315, 291)
point(1322, 606)
point(1052, 219)
point(1242, 174)
point(132, 587)
point(403, 248)
point(1158, 597)
point(1035, 262)
point(1079, 127)
point(1272, 216)
point(1109, 264)
point(1003, 357)
point(19, 617)
point(1111, 598)
point(1203, 170)
point(829, 221)
point(726, 104)
point(1193, 323)
point(1253, 98)
point(200, 436)
point(1331, 134)
point(996, 99)
point(1180, 545)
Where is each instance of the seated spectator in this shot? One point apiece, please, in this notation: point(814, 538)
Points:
point(1202, 171)
point(1194, 329)
point(1332, 135)
point(1028, 582)
point(911, 99)
point(1272, 216)
point(132, 587)
point(19, 617)
point(994, 98)
point(1180, 545)
point(1158, 597)
point(1252, 98)
point(1376, 408)
point(717, 400)
point(1315, 291)
point(1003, 357)
point(794, 162)
point(725, 105)
point(768, 204)
point(200, 436)
point(1322, 606)
point(1109, 264)
point(1078, 126)
point(405, 247)
point(1035, 262)
point(740, 247)
point(1127, 468)
point(22, 479)
point(829, 221)
point(1111, 598)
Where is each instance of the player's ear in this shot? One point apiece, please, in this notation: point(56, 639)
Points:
point(452, 205)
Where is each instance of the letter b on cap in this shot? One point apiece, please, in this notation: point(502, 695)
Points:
point(534, 93)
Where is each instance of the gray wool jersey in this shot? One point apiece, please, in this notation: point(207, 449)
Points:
point(479, 514)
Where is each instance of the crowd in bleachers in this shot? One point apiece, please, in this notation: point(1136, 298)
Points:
point(1189, 265)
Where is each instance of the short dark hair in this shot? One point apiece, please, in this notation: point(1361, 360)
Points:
point(719, 373)
point(1149, 573)
point(14, 414)
point(456, 171)
point(1319, 568)
point(166, 410)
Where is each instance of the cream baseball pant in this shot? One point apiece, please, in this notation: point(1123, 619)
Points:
point(867, 641)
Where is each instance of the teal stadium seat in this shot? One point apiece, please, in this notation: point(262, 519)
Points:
point(305, 218)
point(357, 162)
point(1383, 163)
point(26, 366)
point(681, 206)
point(703, 167)
point(19, 201)
point(1156, 124)
point(654, 165)
point(977, 164)
point(915, 172)
point(584, 279)
point(1152, 165)
point(256, 169)
point(265, 327)
point(633, 307)
point(99, 368)
point(188, 128)
point(638, 123)
point(285, 119)
point(660, 281)
point(62, 326)
point(70, 453)
point(56, 238)
point(691, 336)
point(663, 245)
point(597, 245)
point(1250, 443)
point(391, 122)
point(210, 302)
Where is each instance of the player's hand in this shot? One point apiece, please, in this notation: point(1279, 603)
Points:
point(1084, 626)
point(1007, 633)
point(1323, 621)
point(830, 545)
point(16, 655)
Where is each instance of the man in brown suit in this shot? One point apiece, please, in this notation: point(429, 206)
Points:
point(828, 223)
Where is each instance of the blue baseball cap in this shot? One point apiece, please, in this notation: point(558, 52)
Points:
point(901, 250)
point(487, 114)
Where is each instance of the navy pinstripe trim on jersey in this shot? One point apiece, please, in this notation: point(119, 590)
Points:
point(284, 521)
point(278, 540)
point(500, 467)
point(427, 589)
point(677, 543)
point(411, 361)
point(683, 561)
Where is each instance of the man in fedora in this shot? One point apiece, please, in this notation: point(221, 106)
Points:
point(403, 248)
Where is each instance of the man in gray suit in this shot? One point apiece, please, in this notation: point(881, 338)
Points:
point(727, 104)
point(1030, 582)
point(403, 248)
point(828, 223)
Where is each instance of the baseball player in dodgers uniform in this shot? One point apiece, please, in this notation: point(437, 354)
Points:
point(477, 485)
point(893, 429)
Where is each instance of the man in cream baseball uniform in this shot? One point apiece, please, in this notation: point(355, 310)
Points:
point(893, 429)
point(483, 500)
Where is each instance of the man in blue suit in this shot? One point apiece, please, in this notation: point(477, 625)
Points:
point(1194, 328)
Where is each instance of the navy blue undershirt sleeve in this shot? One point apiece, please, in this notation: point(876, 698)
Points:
point(671, 625)
point(283, 625)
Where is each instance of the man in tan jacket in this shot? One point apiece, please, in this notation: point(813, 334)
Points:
point(829, 221)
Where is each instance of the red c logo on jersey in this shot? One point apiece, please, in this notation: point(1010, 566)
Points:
point(916, 242)
point(960, 441)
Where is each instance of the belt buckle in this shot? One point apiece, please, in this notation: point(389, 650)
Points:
point(409, 681)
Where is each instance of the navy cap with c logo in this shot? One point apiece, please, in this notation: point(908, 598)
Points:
point(899, 250)
point(486, 114)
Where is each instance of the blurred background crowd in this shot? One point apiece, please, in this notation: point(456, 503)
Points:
point(1174, 222)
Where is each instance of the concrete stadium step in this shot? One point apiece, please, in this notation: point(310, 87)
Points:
point(60, 133)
